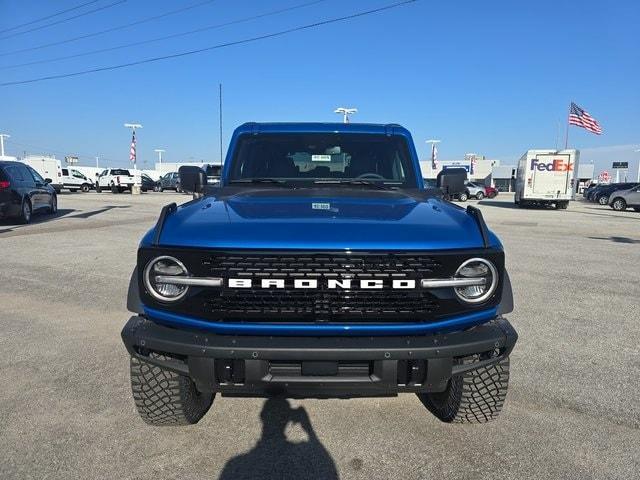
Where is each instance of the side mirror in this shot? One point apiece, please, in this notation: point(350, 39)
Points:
point(192, 179)
point(47, 180)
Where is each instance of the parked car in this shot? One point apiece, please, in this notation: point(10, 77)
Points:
point(475, 190)
point(73, 180)
point(259, 286)
point(23, 192)
point(490, 192)
point(601, 194)
point(147, 183)
point(170, 181)
point(589, 189)
point(623, 199)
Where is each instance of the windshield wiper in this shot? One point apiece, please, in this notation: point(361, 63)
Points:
point(355, 181)
point(259, 180)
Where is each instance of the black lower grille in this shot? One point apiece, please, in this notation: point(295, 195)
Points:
point(352, 305)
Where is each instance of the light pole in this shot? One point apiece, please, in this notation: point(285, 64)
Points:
point(159, 151)
point(345, 113)
point(2, 137)
point(434, 154)
point(638, 178)
point(133, 155)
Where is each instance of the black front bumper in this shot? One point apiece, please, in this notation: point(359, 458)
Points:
point(318, 366)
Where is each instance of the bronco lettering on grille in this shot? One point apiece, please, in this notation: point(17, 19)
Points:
point(310, 283)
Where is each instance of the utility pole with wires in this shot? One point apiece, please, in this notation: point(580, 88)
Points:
point(2, 137)
point(133, 156)
point(345, 113)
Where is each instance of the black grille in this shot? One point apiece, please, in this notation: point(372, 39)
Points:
point(320, 266)
point(321, 304)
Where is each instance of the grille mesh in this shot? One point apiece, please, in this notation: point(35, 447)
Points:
point(321, 304)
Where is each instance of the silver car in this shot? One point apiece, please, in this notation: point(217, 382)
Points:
point(623, 199)
point(475, 190)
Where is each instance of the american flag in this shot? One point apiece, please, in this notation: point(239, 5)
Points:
point(581, 118)
point(434, 157)
point(132, 151)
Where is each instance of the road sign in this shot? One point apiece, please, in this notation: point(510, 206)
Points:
point(604, 177)
point(620, 165)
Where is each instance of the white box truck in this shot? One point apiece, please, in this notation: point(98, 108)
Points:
point(47, 167)
point(546, 177)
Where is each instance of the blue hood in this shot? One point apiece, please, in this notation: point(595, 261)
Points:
point(272, 218)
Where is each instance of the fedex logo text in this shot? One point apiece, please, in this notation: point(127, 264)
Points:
point(557, 165)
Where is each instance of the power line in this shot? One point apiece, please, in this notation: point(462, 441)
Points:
point(41, 19)
point(109, 30)
point(214, 47)
point(167, 37)
point(64, 20)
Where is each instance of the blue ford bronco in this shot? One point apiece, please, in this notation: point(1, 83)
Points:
point(319, 266)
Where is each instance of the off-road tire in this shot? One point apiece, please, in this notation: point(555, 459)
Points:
point(619, 205)
point(165, 398)
point(473, 397)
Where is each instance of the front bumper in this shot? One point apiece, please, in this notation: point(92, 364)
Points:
point(318, 366)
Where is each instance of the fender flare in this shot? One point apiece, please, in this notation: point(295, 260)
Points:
point(134, 304)
point(506, 301)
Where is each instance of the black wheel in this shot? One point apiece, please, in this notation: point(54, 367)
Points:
point(26, 211)
point(164, 397)
point(603, 200)
point(85, 187)
point(114, 189)
point(53, 209)
point(98, 188)
point(479, 195)
point(473, 397)
point(463, 197)
point(619, 204)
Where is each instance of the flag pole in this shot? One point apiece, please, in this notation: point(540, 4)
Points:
point(566, 137)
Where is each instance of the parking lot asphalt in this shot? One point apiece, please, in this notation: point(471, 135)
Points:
point(572, 412)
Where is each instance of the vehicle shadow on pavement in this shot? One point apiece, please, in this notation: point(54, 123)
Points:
point(35, 220)
point(495, 203)
point(275, 456)
point(91, 213)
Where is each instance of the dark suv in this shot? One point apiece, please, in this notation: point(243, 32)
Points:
point(23, 191)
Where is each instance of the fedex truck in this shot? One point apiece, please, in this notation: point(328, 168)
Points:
point(547, 177)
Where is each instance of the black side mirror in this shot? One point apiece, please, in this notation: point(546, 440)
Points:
point(192, 179)
point(47, 180)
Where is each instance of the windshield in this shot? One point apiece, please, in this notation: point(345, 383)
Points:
point(324, 157)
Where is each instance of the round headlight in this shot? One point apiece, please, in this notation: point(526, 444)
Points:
point(157, 279)
point(480, 269)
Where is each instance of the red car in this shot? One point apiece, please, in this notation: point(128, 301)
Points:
point(490, 192)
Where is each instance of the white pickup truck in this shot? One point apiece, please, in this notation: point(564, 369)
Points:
point(115, 179)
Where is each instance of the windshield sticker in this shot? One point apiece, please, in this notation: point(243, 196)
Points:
point(320, 158)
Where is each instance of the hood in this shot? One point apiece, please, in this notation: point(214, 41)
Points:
point(321, 219)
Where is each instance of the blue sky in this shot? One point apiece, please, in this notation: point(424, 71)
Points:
point(490, 77)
